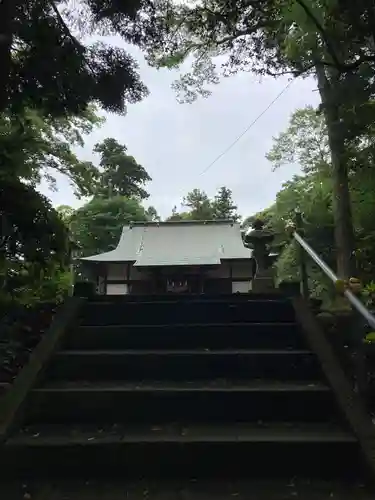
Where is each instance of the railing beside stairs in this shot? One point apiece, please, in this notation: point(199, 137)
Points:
point(358, 358)
point(352, 298)
point(355, 404)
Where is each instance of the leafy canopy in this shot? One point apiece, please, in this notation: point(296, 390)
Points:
point(120, 174)
point(305, 142)
point(201, 207)
point(34, 147)
point(223, 206)
point(96, 227)
point(271, 37)
point(49, 62)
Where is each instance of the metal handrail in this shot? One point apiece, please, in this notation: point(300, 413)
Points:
point(355, 302)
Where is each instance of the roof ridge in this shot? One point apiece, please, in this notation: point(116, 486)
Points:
point(182, 222)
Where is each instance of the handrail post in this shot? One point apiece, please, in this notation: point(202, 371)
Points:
point(302, 257)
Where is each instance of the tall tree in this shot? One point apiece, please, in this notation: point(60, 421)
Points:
point(34, 241)
point(177, 216)
point(273, 37)
point(37, 244)
point(44, 147)
point(152, 214)
point(120, 174)
point(96, 226)
point(311, 193)
point(45, 63)
point(305, 142)
point(200, 206)
point(65, 213)
point(223, 206)
point(265, 36)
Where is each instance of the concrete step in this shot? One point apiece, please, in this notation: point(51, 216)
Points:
point(184, 365)
point(92, 435)
point(177, 451)
point(232, 298)
point(187, 336)
point(195, 401)
point(167, 312)
point(98, 489)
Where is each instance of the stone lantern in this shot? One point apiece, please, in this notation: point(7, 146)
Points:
point(260, 239)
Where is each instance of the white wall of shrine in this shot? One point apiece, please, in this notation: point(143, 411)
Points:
point(239, 272)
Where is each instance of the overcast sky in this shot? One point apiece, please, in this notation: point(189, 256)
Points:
point(176, 142)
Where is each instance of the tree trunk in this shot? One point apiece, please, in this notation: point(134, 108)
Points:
point(342, 210)
point(7, 12)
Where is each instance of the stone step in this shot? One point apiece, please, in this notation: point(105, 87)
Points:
point(195, 401)
point(184, 364)
point(187, 312)
point(187, 336)
point(179, 451)
point(193, 489)
point(89, 435)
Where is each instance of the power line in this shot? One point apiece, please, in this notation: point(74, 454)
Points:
point(247, 128)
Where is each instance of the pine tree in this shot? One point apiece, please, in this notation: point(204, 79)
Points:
point(223, 205)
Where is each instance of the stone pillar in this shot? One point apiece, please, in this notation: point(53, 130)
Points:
point(259, 240)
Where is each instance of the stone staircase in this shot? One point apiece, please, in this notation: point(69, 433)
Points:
point(182, 392)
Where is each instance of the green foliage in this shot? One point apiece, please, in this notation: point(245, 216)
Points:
point(223, 206)
point(46, 65)
point(266, 37)
point(369, 289)
point(313, 197)
point(49, 80)
point(32, 286)
point(33, 228)
point(120, 174)
point(96, 227)
point(152, 214)
point(35, 248)
point(369, 338)
point(65, 213)
point(304, 142)
point(271, 37)
point(176, 216)
point(33, 146)
point(265, 216)
point(201, 207)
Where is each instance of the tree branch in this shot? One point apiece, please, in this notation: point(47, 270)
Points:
point(322, 31)
point(341, 66)
point(65, 27)
point(7, 13)
point(69, 35)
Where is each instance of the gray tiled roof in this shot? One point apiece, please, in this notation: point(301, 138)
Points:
point(177, 243)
